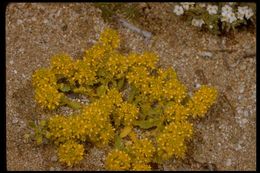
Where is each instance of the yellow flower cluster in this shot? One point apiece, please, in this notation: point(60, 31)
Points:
point(141, 150)
point(117, 64)
point(110, 38)
point(176, 112)
point(126, 114)
point(59, 129)
point(70, 153)
point(147, 59)
point(97, 123)
point(153, 98)
point(93, 123)
point(171, 141)
point(62, 65)
point(202, 100)
point(141, 167)
point(112, 99)
point(118, 160)
point(136, 157)
point(46, 93)
point(95, 56)
point(84, 73)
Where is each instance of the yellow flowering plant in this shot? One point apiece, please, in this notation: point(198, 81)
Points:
point(126, 93)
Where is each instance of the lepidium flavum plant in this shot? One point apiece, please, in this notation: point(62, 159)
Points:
point(142, 112)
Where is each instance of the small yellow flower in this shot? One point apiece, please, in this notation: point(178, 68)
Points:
point(118, 161)
point(70, 153)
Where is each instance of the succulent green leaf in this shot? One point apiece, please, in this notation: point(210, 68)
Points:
point(147, 124)
point(65, 88)
point(101, 90)
point(125, 131)
point(118, 142)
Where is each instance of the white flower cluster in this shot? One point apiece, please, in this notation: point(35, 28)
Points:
point(187, 5)
point(212, 9)
point(244, 12)
point(229, 16)
point(197, 22)
point(179, 9)
point(227, 13)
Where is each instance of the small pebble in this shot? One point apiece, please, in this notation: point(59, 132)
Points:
point(15, 72)
point(238, 147)
point(244, 121)
point(58, 169)
point(45, 21)
point(52, 169)
point(206, 54)
point(228, 162)
point(15, 120)
point(11, 62)
point(197, 85)
point(246, 113)
point(242, 89)
point(243, 67)
point(19, 21)
point(54, 159)
point(34, 19)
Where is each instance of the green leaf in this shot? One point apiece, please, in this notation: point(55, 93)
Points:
point(48, 135)
point(132, 93)
point(71, 104)
point(65, 88)
point(125, 131)
point(147, 124)
point(102, 72)
point(155, 111)
point(101, 90)
point(120, 84)
point(42, 123)
point(157, 159)
point(32, 124)
point(118, 143)
point(39, 140)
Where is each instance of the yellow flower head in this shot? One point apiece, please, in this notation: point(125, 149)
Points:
point(118, 161)
point(127, 113)
point(62, 64)
point(141, 167)
point(70, 153)
point(142, 151)
point(202, 100)
point(171, 141)
point(46, 92)
point(110, 38)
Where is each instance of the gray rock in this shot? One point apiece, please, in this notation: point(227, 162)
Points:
point(246, 113)
point(228, 162)
point(15, 120)
point(243, 67)
point(242, 89)
point(58, 169)
point(54, 159)
point(206, 54)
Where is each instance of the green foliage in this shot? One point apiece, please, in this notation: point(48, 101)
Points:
point(127, 93)
point(129, 10)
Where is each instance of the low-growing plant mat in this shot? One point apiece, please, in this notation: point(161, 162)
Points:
point(224, 140)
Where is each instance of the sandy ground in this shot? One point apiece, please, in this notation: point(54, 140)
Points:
point(224, 140)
